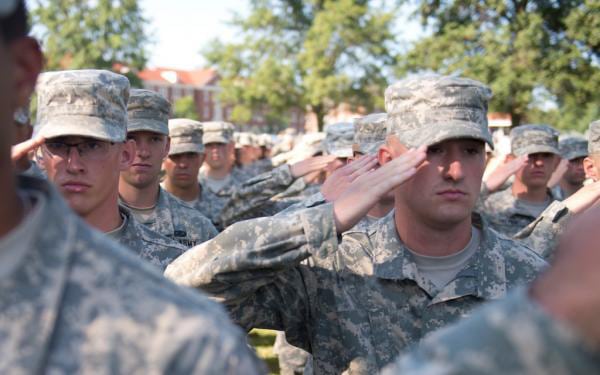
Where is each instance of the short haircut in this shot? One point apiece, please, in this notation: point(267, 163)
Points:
point(14, 25)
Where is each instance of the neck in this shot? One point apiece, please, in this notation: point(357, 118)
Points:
point(429, 240)
point(145, 197)
point(187, 194)
point(217, 174)
point(569, 188)
point(529, 194)
point(381, 209)
point(106, 217)
point(11, 207)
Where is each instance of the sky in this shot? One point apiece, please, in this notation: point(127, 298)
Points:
point(181, 28)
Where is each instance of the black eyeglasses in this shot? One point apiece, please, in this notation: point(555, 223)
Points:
point(91, 150)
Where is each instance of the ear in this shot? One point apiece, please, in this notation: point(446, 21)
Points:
point(27, 59)
point(127, 155)
point(390, 149)
point(590, 168)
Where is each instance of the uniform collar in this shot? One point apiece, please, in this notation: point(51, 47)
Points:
point(484, 276)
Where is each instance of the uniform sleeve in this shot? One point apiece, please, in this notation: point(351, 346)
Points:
point(252, 194)
point(254, 268)
point(543, 233)
point(514, 336)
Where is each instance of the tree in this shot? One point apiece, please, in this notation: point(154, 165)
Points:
point(298, 53)
point(531, 52)
point(185, 108)
point(91, 34)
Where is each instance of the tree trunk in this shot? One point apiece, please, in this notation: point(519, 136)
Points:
point(319, 111)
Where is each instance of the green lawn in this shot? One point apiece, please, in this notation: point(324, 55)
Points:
point(262, 340)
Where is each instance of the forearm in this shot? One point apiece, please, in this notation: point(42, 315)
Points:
point(253, 193)
point(543, 233)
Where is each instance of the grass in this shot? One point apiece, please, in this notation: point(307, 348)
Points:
point(262, 340)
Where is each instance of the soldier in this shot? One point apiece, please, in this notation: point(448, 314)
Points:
point(514, 208)
point(552, 328)
point(232, 203)
point(82, 114)
point(73, 301)
point(139, 189)
point(573, 149)
point(357, 304)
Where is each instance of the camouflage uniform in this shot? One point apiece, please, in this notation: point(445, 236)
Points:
point(149, 111)
point(148, 244)
point(93, 103)
point(514, 336)
point(506, 213)
point(354, 307)
point(176, 220)
point(79, 303)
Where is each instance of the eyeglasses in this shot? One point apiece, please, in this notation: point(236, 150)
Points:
point(91, 150)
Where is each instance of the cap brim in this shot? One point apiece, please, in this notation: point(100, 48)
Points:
point(185, 148)
point(536, 149)
point(367, 149)
point(214, 139)
point(82, 126)
point(150, 125)
point(443, 131)
point(575, 155)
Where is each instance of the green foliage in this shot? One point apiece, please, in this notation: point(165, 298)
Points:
point(91, 34)
point(295, 53)
point(519, 48)
point(185, 108)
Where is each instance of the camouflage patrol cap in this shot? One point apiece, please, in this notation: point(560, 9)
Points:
point(430, 109)
point(594, 137)
point(339, 138)
point(87, 103)
point(217, 132)
point(186, 136)
point(242, 139)
point(369, 133)
point(531, 139)
point(22, 116)
point(573, 147)
point(148, 111)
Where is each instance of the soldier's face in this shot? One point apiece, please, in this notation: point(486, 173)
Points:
point(446, 186)
point(88, 184)
point(538, 170)
point(150, 151)
point(575, 174)
point(246, 155)
point(182, 169)
point(218, 154)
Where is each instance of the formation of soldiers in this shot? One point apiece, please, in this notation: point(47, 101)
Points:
point(132, 242)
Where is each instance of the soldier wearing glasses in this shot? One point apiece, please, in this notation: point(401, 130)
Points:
point(83, 117)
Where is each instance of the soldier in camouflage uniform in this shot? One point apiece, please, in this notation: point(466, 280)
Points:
point(551, 328)
point(514, 208)
point(357, 304)
point(73, 301)
point(241, 202)
point(82, 114)
point(573, 149)
point(139, 189)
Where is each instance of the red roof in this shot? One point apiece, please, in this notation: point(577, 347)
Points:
point(198, 77)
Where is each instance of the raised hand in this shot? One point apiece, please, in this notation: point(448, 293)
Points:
point(22, 149)
point(366, 190)
point(502, 173)
point(312, 164)
point(339, 181)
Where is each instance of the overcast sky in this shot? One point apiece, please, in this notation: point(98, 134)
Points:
point(181, 28)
